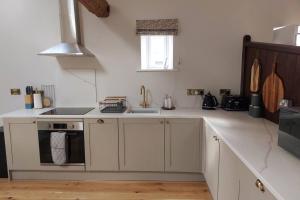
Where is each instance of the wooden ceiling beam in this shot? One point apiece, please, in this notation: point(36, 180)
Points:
point(99, 7)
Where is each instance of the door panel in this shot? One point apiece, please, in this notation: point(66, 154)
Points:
point(142, 145)
point(24, 145)
point(228, 174)
point(248, 189)
point(212, 153)
point(183, 145)
point(102, 141)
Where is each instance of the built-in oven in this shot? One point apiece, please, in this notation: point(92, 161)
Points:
point(72, 132)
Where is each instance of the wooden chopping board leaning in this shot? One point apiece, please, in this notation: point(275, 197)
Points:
point(255, 76)
point(273, 90)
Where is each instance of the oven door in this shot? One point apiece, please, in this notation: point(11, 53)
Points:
point(74, 147)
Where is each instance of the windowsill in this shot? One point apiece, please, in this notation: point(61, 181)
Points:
point(157, 70)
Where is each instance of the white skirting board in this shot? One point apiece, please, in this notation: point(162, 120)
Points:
point(105, 176)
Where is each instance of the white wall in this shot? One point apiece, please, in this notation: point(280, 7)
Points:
point(209, 45)
point(23, 25)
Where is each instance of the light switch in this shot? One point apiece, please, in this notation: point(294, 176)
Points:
point(225, 92)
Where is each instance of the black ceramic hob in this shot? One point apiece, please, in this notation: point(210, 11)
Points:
point(68, 111)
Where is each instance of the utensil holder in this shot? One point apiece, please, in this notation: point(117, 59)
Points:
point(28, 101)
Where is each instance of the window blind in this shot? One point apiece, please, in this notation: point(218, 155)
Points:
point(157, 27)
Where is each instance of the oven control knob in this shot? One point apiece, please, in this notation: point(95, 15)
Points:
point(73, 126)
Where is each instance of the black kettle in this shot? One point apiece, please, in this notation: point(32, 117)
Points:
point(210, 102)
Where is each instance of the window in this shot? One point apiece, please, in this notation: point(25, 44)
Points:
point(298, 37)
point(156, 52)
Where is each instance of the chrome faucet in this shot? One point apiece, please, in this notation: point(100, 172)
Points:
point(144, 103)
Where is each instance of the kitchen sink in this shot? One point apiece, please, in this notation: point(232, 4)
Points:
point(143, 111)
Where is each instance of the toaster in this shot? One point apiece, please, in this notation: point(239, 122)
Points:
point(235, 103)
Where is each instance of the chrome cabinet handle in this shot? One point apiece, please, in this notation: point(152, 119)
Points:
point(100, 121)
point(161, 122)
point(260, 185)
point(167, 122)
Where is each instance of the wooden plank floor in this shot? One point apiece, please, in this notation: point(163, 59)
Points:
point(19, 190)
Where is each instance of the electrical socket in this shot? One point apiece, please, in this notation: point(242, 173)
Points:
point(195, 92)
point(225, 92)
point(15, 91)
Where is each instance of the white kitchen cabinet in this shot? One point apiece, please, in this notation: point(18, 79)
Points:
point(228, 174)
point(183, 145)
point(24, 145)
point(142, 145)
point(212, 157)
point(227, 177)
point(248, 187)
point(102, 144)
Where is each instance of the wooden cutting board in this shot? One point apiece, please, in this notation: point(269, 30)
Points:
point(273, 90)
point(255, 76)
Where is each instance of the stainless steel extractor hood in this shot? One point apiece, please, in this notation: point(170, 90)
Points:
point(70, 32)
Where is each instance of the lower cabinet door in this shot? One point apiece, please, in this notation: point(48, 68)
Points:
point(102, 145)
point(228, 174)
point(248, 186)
point(183, 145)
point(142, 145)
point(211, 169)
point(24, 146)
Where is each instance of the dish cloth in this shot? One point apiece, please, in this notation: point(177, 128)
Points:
point(58, 148)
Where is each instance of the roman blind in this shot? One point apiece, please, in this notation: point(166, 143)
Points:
point(157, 27)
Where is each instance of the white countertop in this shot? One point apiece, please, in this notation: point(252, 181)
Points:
point(254, 141)
point(36, 113)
